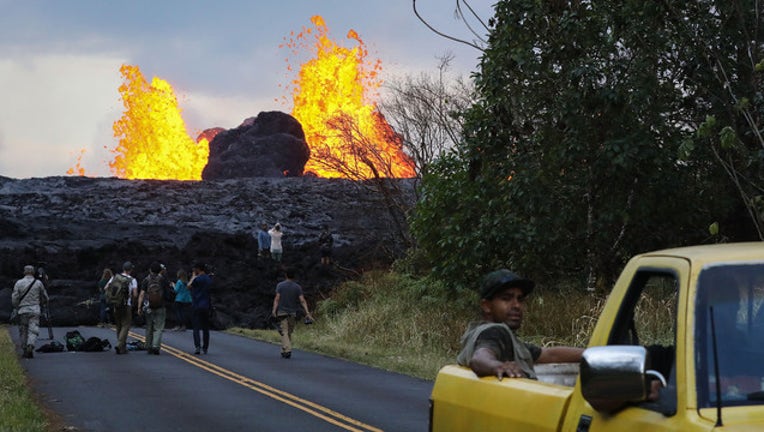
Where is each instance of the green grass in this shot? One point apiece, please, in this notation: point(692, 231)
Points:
point(18, 409)
point(384, 320)
point(390, 321)
point(393, 322)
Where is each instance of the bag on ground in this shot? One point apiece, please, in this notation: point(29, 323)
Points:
point(117, 291)
point(74, 340)
point(53, 346)
point(136, 346)
point(95, 344)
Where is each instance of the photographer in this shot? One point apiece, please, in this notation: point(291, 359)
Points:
point(26, 296)
point(286, 304)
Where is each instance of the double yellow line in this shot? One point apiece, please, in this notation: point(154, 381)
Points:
point(307, 406)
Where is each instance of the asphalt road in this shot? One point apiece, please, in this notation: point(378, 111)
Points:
point(241, 385)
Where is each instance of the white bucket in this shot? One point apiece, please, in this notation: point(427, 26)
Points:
point(557, 373)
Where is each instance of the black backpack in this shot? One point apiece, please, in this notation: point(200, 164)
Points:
point(52, 346)
point(94, 344)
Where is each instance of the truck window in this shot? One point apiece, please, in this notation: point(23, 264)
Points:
point(648, 317)
point(729, 319)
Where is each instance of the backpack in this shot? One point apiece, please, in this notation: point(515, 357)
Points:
point(53, 346)
point(155, 291)
point(95, 344)
point(74, 340)
point(135, 346)
point(118, 289)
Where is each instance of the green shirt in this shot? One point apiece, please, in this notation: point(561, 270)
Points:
point(501, 340)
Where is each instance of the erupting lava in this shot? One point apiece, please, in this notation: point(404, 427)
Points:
point(347, 135)
point(153, 142)
point(332, 96)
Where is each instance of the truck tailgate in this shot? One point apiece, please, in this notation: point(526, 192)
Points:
point(463, 402)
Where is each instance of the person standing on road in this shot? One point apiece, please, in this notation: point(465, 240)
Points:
point(490, 346)
point(155, 294)
point(289, 298)
point(200, 285)
point(25, 298)
point(276, 249)
point(122, 304)
point(182, 300)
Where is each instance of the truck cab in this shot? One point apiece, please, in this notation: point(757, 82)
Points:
point(709, 363)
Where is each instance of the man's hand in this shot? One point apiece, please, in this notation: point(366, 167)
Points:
point(655, 390)
point(509, 369)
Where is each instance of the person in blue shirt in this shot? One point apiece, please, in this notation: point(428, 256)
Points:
point(201, 305)
point(182, 300)
point(263, 242)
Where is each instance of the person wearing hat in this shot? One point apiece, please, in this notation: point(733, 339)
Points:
point(25, 298)
point(123, 312)
point(491, 347)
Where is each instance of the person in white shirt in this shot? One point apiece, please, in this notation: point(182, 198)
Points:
point(276, 249)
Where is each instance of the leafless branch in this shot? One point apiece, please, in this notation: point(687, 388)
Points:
point(443, 34)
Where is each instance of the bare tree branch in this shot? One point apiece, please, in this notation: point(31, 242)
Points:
point(466, 22)
point(443, 34)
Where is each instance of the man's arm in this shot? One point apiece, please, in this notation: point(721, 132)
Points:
point(140, 302)
point(133, 292)
point(305, 306)
point(276, 304)
point(560, 354)
point(15, 296)
point(485, 363)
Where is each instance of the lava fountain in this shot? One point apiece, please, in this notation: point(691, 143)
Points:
point(333, 100)
point(153, 141)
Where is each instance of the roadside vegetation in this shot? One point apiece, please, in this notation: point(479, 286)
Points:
point(413, 326)
point(18, 410)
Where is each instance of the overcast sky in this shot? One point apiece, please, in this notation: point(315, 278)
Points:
point(59, 63)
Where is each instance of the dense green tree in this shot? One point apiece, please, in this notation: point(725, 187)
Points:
point(570, 158)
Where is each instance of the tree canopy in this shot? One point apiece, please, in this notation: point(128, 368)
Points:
point(585, 145)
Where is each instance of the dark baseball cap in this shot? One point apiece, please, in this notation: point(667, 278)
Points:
point(498, 280)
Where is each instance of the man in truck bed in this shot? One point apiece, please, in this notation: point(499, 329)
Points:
point(490, 346)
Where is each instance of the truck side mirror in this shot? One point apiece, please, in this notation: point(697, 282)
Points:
point(612, 376)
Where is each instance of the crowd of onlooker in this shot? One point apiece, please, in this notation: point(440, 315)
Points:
point(123, 298)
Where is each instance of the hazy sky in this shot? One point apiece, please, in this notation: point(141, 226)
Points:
point(59, 63)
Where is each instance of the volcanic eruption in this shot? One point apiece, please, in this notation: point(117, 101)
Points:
point(332, 97)
point(333, 100)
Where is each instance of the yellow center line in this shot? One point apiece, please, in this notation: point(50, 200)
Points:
point(305, 405)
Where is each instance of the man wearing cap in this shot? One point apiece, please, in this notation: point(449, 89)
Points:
point(26, 296)
point(490, 346)
point(123, 313)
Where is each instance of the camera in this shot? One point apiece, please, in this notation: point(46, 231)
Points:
point(308, 321)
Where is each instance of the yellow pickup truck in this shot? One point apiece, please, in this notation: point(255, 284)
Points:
point(711, 365)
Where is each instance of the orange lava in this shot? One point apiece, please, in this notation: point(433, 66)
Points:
point(153, 141)
point(78, 169)
point(347, 135)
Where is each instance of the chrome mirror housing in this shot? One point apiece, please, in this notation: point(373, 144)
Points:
point(612, 376)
